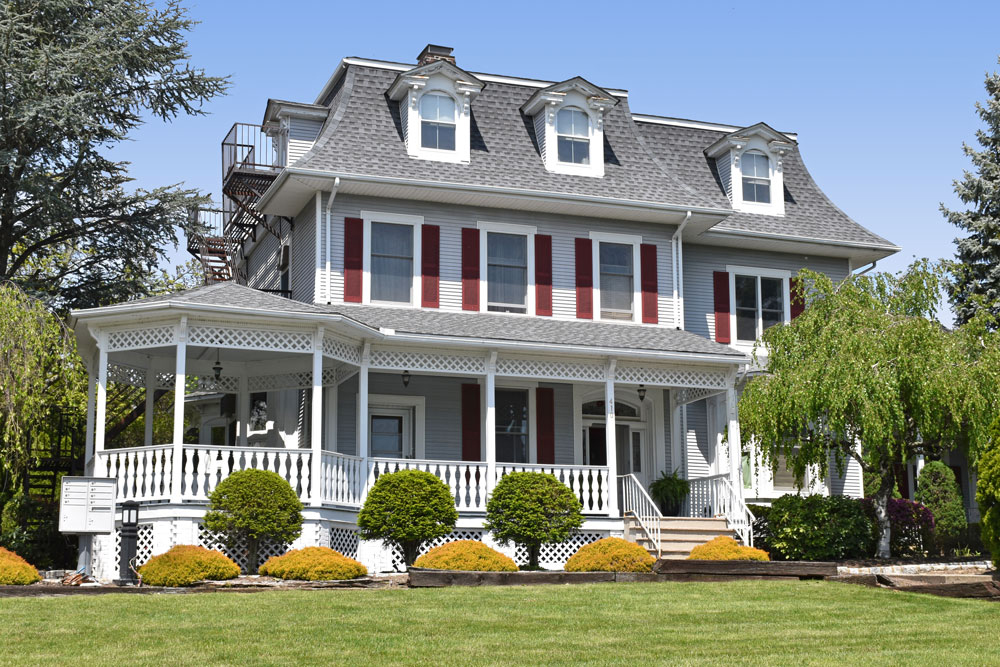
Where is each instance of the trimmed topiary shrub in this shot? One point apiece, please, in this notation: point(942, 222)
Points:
point(938, 491)
point(532, 509)
point(407, 508)
point(254, 505)
point(187, 564)
point(313, 564)
point(726, 548)
point(819, 528)
point(466, 555)
point(15, 571)
point(611, 554)
point(911, 526)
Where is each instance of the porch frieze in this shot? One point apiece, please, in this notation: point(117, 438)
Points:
point(550, 369)
point(236, 337)
point(685, 396)
point(141, 337)
point(672, 376)
point(381, 358)
point(341, 350)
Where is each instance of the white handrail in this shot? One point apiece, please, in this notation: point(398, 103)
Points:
point(637, 501)
point(715, 496)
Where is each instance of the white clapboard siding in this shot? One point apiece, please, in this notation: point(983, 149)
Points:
point(262, 263)
point(540, 132)
point(724, 164)
point(302, 133)
point(668, 459)
point(697, 440)
point(303, 254)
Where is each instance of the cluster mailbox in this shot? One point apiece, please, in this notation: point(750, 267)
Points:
point(87, 505)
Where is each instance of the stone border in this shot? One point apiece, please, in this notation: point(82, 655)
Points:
point(917, 568)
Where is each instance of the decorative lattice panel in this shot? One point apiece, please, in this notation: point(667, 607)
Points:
point(397, 554)
point(686, 396)
point(418, 361)
point(238, 552)
point(345, 540)
point(246, 338)
point(557, 554)
point(143, 546)
point(165, 380)
point(666, 376)
point(136, 339)
point(226, 384)
point(553, 370)
point(340, 350)
point(123, 374)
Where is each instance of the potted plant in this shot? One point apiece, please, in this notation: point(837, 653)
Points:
point(669, 491)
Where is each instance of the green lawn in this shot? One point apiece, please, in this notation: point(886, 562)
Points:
point(742, 622)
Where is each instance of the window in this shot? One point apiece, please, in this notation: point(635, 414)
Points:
point(437, 122)
point(617, 282)
point(387, 436)
point(573, 132)
point(506, 272)
point(512, 425)
point(391, 262)
point(760, 304)
point(756, 169)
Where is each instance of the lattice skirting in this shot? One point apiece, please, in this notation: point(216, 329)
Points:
point(238, 552)
point(143, 546)
point(454, 536)
point(557, 554)
point(345, 540)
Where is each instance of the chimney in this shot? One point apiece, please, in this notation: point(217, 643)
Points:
point(433, 53)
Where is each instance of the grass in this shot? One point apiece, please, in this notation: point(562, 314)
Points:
point(750, 622)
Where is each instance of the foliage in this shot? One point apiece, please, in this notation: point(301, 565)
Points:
point(724, 547)
point(31, 528)
point(670, 491)
point(939, 492)
point(407, 508)
point(912, 526)
point(466, 555)
point(818, 528)
point(313, 564)
point(78, 77)
point(988, 491)
point(761, 525)
point(16, 571)
point(532, 509)
point(186, 564)
point(253, 505)
point(611, 554)
point(866, 373)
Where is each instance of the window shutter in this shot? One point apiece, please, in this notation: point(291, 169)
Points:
point(584, 280)
point(798, 303)
point(470, 422)
point(470, 269)
point(647, 279)
point(545, 414)
point(543, 274)
point(430, 265)
point(720, 281)
point(354, 252)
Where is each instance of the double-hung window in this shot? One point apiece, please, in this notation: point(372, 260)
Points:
point(616, 281)
point(573, 136)
point(756, 172)
point(506, 272)
point(437, 122)
point(392, 262)
point(760, 301)
point(512, 425)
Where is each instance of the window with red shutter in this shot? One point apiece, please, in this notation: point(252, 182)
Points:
point(543, 274)
point(720, 285)
point(648, 281)
point(430, 265)
point(470, 268)
point(584, 279)
point(354, 238)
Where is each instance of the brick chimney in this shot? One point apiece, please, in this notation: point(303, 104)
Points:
point(433, 53)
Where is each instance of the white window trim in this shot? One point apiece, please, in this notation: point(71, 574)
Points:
point(757, 272)
point(439, 85)
point(531, 386)
point(596, 116)
point(624, 239)
point(528, 231)
point(378, 402)
point(775, 174)
point(416, 221)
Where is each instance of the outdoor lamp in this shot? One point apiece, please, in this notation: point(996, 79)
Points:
point(218, 365)
point(130, 534)
point(406, 378)
point(642, 392)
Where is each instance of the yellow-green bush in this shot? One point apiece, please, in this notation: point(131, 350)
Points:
point(313, 564)
point(14, 570)
point(726, 548)
point(187, 564)
point(612, 554)
point(466, 555)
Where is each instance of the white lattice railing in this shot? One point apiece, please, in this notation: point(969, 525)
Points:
point(714, 496)
point(636, 501)
point(142, 473)
point(591, 484)
point(466, 479)
point(342, 479)
point(205, 466)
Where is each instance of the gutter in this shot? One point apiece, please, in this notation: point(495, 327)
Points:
point(677, 250)
point(870, 267)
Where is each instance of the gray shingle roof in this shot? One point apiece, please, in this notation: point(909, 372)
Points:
point(228, 294)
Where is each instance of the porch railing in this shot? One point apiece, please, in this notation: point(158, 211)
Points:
point(466, 479)
point(714, 496)
point(142, 473)
point(342, 479)
point(205, 466)
point(591, 484)
point(636, 501)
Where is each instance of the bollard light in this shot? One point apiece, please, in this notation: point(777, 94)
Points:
point(130, 535)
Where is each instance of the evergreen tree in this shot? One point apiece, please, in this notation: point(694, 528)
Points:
point(976, 273)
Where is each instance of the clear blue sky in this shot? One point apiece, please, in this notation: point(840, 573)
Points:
point(880, 93)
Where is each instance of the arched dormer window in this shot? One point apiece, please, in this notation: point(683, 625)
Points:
point(756, 170)
point(573, 132)
point(437, 122)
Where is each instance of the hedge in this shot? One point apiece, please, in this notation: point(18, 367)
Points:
point(16, 571)
point(819, 528)
point(187, 564)
point(313, 564)
point(466, 555)
point(726, 548)
point(938, 491)
point(611, 554)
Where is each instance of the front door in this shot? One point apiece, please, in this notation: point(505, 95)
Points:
point(633, 454)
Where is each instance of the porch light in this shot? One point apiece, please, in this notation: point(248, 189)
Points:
point(217, 368)
point(406, 378)
point(130, 534)
point(642, 392)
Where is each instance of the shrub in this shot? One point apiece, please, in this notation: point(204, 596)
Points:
point(313, 564)
point(761, 526)
point(407, 508)
point(187, 564)
point(252, 505)
point(988, 490)
point(911, 526)
point(819, 528)
point(466, 555)
point(939, 492)
point(532, 509)
point(612, 554)
point(30, 527)
point(726, 548)
point(15, 571)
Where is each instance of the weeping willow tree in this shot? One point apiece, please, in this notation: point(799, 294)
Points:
point(868, 374)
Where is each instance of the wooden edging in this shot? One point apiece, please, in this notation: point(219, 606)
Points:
point(746, 568)
point(424, 578)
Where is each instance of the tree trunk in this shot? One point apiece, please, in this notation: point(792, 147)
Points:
point(252, 544)
point(410, 550)
point(881, 503)
point(533, 551)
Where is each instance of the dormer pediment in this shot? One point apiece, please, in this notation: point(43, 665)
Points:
point(464, 83)
point(597, 98)
point(739, 139)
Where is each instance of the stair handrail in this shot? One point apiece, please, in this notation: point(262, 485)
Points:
point(636, 501)
point(739, 516)
point(715, 495)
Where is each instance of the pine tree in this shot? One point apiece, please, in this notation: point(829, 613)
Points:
point(976, 273)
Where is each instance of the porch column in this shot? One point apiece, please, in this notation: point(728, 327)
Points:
point(100, 419)
point(610, 437)
point(735, 462)
point(490, 422)
point(243, 418)
point(316, 428)
point(88, 453)
point(363, 417)
point(147, 438)
point(180, 379)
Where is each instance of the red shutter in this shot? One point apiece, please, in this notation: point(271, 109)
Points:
point(470, 422)
point(798, 297)
point(354, 252)
point(584, 280)
point(720, 282)
point(543, 274)
point(650, 288)
point(430, 265)
point(545, 416)
point(470, 269)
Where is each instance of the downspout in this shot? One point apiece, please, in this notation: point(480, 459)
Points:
point(677, 248)
point(870, 267)
point(329, 232)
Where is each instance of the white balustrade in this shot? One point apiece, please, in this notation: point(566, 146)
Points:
point(714, 496)
point(591, 484)
point(465, 479)
point(206, 465)
point(142, 473)
point(635, 501)
point(342, 479)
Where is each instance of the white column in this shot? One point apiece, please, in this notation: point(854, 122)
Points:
point(363, 413)
point(330, 408)
point(735, 462)
point(147, 438)
point(91, 400)
point(180, 379)
point(316, 428)
point(610, 437)
point(100, 419)
point(243, 406)
point(490, 422)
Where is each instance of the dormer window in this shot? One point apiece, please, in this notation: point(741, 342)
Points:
point(437, 122)
point(749, 166)
point(756, 170)
point(573, 131)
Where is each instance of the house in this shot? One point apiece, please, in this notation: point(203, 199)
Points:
point(470, 274)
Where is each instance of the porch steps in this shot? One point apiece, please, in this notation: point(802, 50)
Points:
point(678, 535)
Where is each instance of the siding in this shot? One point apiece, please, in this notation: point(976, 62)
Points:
point(697, 442)
point(540, 132)
point(347, 416)
point(849, 483)
point(724, 165)
point(668, 463)
point(262, 263)
point(302, 133)
point(404, 118)
point(563, 394)
point(303, 254)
